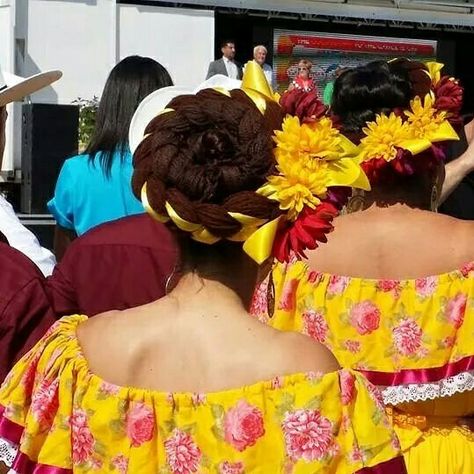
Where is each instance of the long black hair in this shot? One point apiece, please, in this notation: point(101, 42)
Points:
point(129, 82)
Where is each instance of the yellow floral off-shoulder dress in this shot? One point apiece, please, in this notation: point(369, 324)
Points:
point(414, 339)
point(56, 417)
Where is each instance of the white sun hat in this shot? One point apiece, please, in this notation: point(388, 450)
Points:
point(156, 102)
point(15, 88)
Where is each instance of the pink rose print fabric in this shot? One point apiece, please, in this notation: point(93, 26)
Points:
point(231, 468)
point(365, 317)
point(259, 304)
point(390, 286)
point(348, 389)
point(337, 284)
point(455, 310)
point(352, 346)
point(426, 286)
point(407, 337)
point(315, 325)
point(182, 453)
point(82, 439)
point(308, 435)
point(288, 296)
point(243, 425)
point(140, 424)
point(44, 403)
point(120, 463)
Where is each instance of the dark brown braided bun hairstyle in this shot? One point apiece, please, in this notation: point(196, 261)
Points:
point(207, 158)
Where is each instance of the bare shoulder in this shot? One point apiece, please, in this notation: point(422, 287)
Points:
point(464, 237)
point(108, 335)
point(300, 353)
point(94, 329)
point(466, 228)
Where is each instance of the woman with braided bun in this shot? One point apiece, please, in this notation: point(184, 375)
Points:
point(392, 293)
point(191, 383)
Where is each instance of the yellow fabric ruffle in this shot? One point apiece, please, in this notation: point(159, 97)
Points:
point(75, 420)
point(439, 450)
point(381, 325)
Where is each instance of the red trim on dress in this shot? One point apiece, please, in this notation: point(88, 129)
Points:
point(419, 376)
point(393, 466)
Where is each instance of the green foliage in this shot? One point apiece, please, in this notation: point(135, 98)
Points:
point(87, 113)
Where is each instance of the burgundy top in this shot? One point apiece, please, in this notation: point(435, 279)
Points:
point(116, 265)
point(25, 310)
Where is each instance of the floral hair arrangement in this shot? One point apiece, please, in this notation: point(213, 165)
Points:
point(312, 158)
point(406, 141)
point(296, 172)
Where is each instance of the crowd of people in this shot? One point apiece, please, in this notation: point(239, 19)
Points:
point(248, 283)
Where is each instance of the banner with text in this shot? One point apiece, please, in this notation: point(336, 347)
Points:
point(328, 52)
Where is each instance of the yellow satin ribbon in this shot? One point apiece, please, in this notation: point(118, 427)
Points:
point(258, 240)
point(149, 209)
point(255, 85)
point(249, 226)
point(415, 145)
point(444, 132)
point(346, 172)
point(434, 71)
point(259, 245)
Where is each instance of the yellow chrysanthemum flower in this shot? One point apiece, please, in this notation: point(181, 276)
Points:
point(311, 157)
point(307, 141)
point(424, 119)
point(296, 187)
point(382, 137)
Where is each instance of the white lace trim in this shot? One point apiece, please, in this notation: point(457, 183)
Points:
point(459, 383)
point(7, 452)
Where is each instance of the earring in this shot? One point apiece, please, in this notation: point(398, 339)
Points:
point(171, 281)
point(356, 202)
point(168, 280)
point(434, 198)
point(270, 295)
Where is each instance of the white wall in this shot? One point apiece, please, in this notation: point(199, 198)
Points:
point(7, 63)
point(76, 36)
point(180, 39)
point(86, 38)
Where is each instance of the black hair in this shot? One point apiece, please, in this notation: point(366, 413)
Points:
point(129, 82)
point(227, 41)
point(362, 92)
point(4, 239)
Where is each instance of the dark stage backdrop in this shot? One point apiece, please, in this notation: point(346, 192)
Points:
point(454, 49)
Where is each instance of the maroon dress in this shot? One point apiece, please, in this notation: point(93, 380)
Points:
point(25, 309)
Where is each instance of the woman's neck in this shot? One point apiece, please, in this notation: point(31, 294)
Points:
point(193, 290)
point(374, 200)
point(398, 207)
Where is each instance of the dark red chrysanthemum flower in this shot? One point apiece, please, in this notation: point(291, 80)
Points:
point(449, 96)
point(305, 105)
point(311, 227)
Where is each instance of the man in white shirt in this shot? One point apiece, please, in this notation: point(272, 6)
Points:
point(14, 88)
point(226, 66)
point(259, 56)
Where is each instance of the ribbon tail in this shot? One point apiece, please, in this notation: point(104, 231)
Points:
point(255, 79)
point(445, 132)
point(260, 244)
point(347, 172)
point(416, 145)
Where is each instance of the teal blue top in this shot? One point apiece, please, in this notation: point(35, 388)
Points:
point(85, 197)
